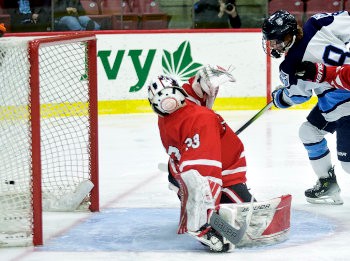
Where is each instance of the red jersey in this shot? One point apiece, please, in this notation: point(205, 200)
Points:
point(338, 76)
point(197, 138)
point(192, 94)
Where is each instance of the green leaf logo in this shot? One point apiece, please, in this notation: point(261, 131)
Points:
point(180, 63)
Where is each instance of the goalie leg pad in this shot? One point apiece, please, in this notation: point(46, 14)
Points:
point(196, 200)
point(270, 221)
point(229, 215)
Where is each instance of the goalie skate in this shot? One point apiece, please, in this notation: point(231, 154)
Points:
point(326, 191)
point(210, 238)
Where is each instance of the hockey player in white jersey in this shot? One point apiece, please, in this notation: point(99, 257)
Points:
point(323, 39)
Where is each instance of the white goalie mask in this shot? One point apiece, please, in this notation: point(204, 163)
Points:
point(165, 95)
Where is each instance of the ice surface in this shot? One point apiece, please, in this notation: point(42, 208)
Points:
point(152, 229)
point(139, 215)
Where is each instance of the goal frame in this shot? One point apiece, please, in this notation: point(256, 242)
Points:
point(33, 52)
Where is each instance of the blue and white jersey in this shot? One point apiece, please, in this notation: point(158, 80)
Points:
point(325, 40)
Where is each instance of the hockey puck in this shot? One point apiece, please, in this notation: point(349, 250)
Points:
point(10, 182)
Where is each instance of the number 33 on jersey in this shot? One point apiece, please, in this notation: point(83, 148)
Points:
point(203, 142)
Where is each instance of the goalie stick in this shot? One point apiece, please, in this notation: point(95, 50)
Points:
point(228, 231)
point(256, 116)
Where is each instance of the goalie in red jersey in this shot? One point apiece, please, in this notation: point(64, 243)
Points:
point(207, 165)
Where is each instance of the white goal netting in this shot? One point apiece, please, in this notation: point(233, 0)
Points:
point(61, 71)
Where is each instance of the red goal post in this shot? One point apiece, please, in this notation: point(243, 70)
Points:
point(48, 132)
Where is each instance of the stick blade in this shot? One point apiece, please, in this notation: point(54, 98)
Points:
point(226, 230)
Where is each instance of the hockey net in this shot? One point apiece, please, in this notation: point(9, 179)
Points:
point(48, 132)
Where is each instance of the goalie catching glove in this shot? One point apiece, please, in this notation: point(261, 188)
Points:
point(208, 80)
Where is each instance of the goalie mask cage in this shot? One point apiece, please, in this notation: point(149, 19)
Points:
point(48, 132)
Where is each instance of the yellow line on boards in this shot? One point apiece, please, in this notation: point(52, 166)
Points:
point(221, 104)
point(132, 106)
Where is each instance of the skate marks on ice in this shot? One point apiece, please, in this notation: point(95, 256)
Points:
point(145, 229)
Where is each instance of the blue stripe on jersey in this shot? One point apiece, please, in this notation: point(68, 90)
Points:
point(329, 101)
point(317, 150)
point(298, 99)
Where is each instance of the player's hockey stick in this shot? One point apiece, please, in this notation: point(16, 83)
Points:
point(256, 116)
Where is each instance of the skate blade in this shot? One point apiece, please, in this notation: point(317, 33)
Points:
point(326, 200)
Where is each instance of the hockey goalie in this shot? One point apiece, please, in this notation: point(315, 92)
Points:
point(207, 166)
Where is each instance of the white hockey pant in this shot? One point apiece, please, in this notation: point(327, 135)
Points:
point(309, 134)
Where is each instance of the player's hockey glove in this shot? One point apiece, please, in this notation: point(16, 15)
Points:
point(277, 98)
point(308, 71)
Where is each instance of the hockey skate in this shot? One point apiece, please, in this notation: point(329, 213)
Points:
point(210, 238)
point(326, 191)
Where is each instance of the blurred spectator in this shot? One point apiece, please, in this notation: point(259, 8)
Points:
point(70, 15)
point(216, 14)
point(28, 15)
point(2, 29)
